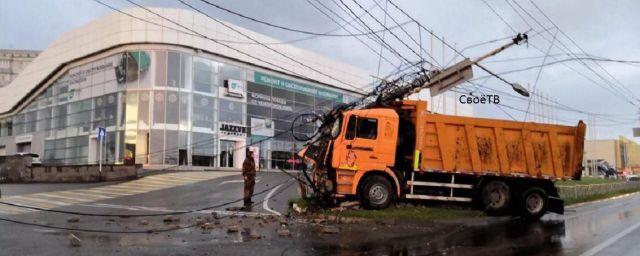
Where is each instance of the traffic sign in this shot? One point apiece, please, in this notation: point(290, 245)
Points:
point(102, 133)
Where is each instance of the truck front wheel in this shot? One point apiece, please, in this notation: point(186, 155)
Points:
point(377, 193)
point(495, 197)
point(533, 203)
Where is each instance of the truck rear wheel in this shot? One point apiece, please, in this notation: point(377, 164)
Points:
point(533, 203)
point(495, 197)
point(377, 193)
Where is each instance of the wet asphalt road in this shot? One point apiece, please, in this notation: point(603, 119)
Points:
point(610, 227)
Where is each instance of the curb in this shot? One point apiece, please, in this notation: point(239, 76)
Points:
point(602, 200)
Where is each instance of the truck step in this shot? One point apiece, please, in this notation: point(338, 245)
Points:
point(438, 184)
point(439, 198)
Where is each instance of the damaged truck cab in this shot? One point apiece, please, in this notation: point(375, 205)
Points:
point(403, 151)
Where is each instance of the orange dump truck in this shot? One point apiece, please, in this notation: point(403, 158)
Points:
point(382, 154)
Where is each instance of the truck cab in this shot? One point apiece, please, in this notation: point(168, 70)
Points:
point(365, 145)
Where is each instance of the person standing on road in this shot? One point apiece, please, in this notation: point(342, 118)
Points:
point(249, 174)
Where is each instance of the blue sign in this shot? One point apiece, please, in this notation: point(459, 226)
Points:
point(102, 133)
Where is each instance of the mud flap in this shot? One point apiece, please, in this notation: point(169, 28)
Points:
point(556, 205)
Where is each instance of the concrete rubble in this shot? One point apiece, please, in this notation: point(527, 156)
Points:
point(74, 240)
point(330, 230)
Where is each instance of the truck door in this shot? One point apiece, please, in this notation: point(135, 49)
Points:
point(358, 149)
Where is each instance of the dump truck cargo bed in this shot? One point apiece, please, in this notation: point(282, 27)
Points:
point(495, 147)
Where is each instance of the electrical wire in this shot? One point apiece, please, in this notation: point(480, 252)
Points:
point(380, 23)
point(610, 89)
point(297, 30)
point(327, 33)
point(419, 45)
point(266, 46)
point(353, 26)
point(389, 47)
point(583, 51)
point(567, 50)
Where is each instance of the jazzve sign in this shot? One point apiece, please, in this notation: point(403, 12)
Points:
point(233, 130)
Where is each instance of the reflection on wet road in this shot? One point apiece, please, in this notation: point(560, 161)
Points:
point(610, 227)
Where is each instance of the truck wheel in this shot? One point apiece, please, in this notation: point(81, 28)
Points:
point(533, 203)
point(495, 197)
point(377, 193)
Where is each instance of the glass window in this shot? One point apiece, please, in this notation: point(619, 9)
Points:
point(231, 111)
point(303, 98)
point(143, 110)
point(172, 110)
point(366, 128)
point(351, 128)
point(204, 75)
point(184, 109)
point(161, 68)
point(171, 147)
point(203, 111)
point(156, 146)
point(281, 93)
point(173, 70)
point(231, 72)
point(158, 107)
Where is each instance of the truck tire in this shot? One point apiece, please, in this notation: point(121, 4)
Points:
point(533, 203)
point(495, 196)
point(377, 193)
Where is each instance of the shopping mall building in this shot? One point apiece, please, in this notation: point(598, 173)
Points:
point(167, 96)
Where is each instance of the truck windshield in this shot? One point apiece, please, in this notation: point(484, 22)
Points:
point(335, 129)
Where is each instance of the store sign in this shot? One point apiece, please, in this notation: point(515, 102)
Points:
point(235, 88)
point(81, 75)
point(296, 86)
point(233, 130)
point(263, 100)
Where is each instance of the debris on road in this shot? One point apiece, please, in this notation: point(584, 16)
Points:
point(298, 209)
point(74, 240)
point(330, 230)
point(144, 222)
point(283, 232)
point(206, 226)
point(352, 205)
point(200, 221)
point(233, 229)
point(254, 234)
point(170, 219)
point(73, 219)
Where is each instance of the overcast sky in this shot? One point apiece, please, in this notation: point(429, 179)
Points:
point(607, 29)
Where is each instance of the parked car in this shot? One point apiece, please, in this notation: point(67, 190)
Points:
point(633, 177)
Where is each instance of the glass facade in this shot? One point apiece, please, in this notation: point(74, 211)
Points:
point(166, 107)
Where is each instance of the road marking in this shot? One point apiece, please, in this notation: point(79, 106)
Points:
point(265, 203)
point(610, 241)
point(234, 181)
point(35, 201)
point(74, 200)
point(55, 199)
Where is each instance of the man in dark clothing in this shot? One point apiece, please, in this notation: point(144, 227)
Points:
point(249, 174)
